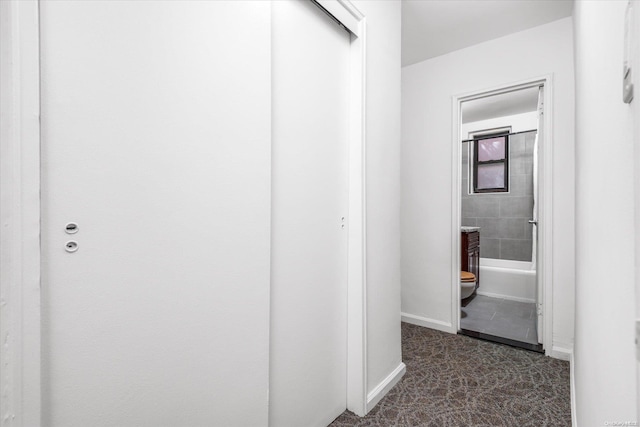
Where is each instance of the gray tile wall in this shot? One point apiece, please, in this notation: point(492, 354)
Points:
point(503, 217)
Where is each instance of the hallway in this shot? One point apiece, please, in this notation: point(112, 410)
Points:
point(204, 226)
point(453, 380)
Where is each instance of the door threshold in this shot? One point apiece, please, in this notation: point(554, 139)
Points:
point(501, 340)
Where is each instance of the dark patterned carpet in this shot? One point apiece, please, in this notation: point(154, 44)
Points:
point(453, 380)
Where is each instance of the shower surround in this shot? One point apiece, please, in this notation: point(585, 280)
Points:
point(503, 217)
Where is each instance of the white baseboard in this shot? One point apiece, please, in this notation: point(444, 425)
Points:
point(560, 352)
point(428, 323)
point(385, 385)
point(572, 384)
point(507, 297)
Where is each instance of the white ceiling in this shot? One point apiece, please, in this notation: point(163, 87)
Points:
point(435, 27)
point(506, 104)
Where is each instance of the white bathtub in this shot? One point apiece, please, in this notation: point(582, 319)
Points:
point(513, 280)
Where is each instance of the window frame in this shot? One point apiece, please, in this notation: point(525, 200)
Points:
point(476, 163)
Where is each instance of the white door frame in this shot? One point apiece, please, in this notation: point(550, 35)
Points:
point(20, 213)
point(20, 310)
point(545, 199)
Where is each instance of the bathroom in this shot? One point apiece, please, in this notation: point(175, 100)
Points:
point(498, 188)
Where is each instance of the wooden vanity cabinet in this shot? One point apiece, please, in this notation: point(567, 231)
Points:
point(471, 254)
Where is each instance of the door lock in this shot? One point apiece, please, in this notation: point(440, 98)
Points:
point(71, 246)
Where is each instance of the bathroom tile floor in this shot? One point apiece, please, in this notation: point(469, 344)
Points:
point(500, 317)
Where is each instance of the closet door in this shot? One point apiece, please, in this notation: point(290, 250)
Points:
point(309, 244)
point(156, 133)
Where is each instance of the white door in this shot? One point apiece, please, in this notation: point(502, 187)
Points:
point(156, 143)
point(309, 243)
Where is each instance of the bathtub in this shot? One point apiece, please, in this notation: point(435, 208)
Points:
point(513, 280)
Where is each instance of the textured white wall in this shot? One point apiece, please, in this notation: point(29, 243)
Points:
point(426, 215)
point(605, 386)
point(383, 187)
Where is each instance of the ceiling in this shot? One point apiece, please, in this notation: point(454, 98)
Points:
point(434, 27)
point(505, 104)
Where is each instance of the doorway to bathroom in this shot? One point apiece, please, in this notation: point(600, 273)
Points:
point(501, 293)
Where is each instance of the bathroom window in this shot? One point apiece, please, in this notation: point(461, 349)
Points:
point(491, 164)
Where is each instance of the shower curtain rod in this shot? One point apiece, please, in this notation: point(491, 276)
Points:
point(498, 135)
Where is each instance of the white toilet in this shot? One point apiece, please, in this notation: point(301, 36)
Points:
point(467, 284)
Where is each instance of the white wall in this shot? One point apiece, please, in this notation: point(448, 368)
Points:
point(383, 188)
point(518, 123)
point(427, 181)
point(605, 389)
